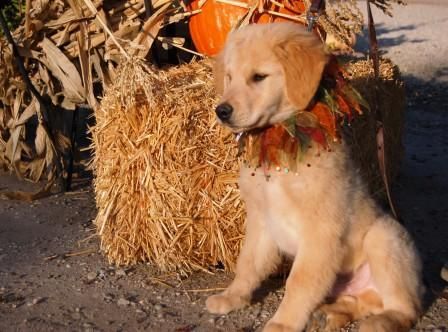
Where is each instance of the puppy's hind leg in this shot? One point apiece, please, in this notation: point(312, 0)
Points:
point(395, 268)
point(258, 258)
point(346, 308)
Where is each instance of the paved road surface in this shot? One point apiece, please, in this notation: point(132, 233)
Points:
point(416, 38)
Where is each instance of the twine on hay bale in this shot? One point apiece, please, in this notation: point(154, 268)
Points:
point(166, 173)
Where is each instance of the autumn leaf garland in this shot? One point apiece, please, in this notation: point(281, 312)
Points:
point(283, 145)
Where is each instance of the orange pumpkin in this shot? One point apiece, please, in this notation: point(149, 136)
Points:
point(210, 27)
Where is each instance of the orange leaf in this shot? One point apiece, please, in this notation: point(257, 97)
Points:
point(353, 98)
point(272, 141)
point(326, 118)
point(343, 106)
point(274, 135)
point(356, 106)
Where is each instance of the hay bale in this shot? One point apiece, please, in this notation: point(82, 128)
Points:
point(391, 104)
point(166, 173)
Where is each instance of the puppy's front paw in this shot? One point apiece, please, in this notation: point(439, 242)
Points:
point(277, 327)
point(224, 303)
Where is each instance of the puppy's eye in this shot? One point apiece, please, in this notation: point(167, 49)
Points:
point(257, 77)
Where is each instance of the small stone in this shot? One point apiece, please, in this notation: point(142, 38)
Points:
point(444, 272)
point(91, 276)
point(123, 302)
point(76, 316)
point(120, 273)
point(256, 311)
point(160, 315)
point(264, 314)
point(108, 297)
point(102, 274)
point(212, 321)
point(158, 307)
point(35, 301)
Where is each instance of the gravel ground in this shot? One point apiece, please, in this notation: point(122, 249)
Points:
point(52, 277)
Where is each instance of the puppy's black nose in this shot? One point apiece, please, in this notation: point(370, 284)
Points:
point(224, 111)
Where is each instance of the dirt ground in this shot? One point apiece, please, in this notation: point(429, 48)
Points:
point(53, 278)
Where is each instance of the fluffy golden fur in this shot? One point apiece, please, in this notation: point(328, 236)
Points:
point(350, 260)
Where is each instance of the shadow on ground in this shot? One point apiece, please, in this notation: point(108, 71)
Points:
point(421, 189)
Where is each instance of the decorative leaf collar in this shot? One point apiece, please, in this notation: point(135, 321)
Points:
point(281, 147)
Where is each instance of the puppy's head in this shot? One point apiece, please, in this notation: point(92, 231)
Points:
point(266, 73)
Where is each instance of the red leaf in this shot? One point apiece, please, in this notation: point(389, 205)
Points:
point(326, 118)
point(272, 140)
point(344, 107)
point(316, 134)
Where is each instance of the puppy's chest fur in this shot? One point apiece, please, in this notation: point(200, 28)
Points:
point(288, 204)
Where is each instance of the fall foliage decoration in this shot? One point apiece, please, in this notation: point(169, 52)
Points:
point(282, 145)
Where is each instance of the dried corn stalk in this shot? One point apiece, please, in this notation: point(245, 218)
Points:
point(72, 48)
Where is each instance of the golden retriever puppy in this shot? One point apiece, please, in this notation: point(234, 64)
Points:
point(344, 248)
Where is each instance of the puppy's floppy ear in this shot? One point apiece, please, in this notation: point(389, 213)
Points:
point(218, 73)
point(303, 59)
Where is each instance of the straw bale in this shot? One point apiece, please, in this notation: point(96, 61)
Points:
point(362, 136)
point(166, 173)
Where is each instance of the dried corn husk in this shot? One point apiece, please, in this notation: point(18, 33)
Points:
point(68, 47)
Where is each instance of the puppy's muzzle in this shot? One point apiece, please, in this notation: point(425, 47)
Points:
point(224, 112)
